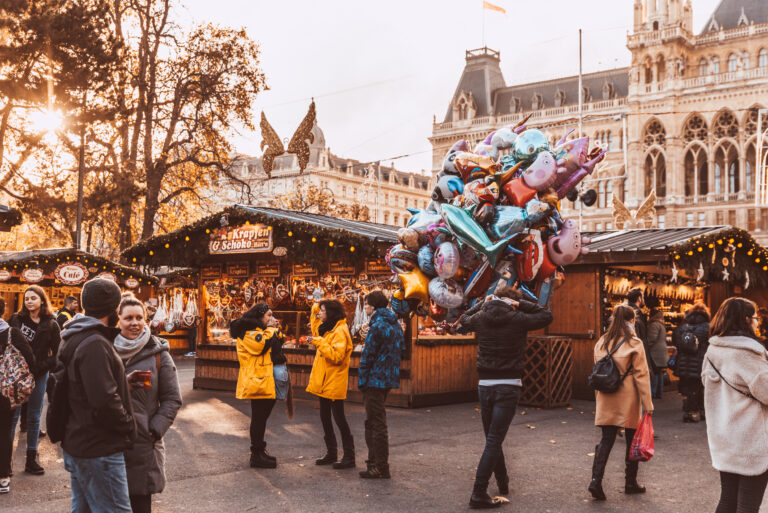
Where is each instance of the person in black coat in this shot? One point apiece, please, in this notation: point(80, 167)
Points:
point(14, 336)
point(38, 325)
point(501, 325)
point(691, 339)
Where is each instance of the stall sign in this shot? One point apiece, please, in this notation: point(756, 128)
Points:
point(238, 270)
point(249, 238)
point(269, 270)
point(108, 276)
point(5, 275)
point(210, 272)
point(280, 251)
point(302, 270)
point(341, 269)
point(131, 283)
point(377, 267)
point(71, 273)
point(33, 275)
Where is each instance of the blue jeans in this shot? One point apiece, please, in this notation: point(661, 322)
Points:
point(99, 485)
point(497, 408)
point(657, 384)
point(34, 412)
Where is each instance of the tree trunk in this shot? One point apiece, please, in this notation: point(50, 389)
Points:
point(151, 202)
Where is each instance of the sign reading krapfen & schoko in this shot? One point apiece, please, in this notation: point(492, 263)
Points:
point(249, 238)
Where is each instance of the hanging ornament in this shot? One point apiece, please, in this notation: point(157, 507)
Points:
point(746, 280)
point(700, 272)
point(714, 255)
point(726, 275)
point(733, 257)
point(674, 273)
point(725, 261)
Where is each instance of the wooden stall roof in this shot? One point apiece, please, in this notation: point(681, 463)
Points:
point(50, 258)
point(9, 217)
point(649, 244)
point(175, 248)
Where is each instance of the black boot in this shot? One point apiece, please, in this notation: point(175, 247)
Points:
point(598, 469)
point(331, 454)
point(630, 481)
point(260, 460)
point(265, 453)
point(481, 500)
point(32, 466)
point(348, 459)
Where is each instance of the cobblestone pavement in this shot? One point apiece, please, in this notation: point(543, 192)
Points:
point(434, 452)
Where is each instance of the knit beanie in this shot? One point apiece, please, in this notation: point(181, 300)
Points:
point(100, 297)
point(249, 321)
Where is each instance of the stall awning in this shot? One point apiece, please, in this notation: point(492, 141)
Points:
point(652, 239)
point(311, 236)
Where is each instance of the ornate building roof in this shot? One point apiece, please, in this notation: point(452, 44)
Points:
point(734, 13)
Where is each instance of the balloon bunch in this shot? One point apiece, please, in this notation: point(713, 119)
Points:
point(493, 220)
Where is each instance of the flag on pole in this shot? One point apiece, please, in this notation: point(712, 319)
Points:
point(491, 7)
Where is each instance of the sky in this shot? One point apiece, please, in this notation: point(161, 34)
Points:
point(379, 71)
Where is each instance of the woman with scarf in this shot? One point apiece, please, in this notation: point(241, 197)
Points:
point(37, 323)
point(328, 380)
point(155, 401)
point(263, 377)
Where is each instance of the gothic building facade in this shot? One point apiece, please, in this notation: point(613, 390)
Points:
point(680, 120)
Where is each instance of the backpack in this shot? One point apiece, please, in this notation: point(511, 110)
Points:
point(58, 404)
point(689, 343)
point(16, 380)
point(605, 375)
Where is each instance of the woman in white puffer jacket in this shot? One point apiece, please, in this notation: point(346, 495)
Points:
point(735, 377)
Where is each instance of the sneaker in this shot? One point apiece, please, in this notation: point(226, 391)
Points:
point(191, 354)
point(5, 485)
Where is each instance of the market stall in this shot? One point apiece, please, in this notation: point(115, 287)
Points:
point(61, 272)
point(173, 309)
point(675, 267)
point(289, 259)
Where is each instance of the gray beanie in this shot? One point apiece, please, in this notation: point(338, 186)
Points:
point(100, 297)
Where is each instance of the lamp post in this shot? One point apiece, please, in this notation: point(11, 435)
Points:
point(80, 177)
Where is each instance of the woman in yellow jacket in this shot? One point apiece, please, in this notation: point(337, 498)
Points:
point(329, 377)
point(259, 344)
point(622, 408)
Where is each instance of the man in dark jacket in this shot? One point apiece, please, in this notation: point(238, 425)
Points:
point(691, 339)
point(501, 325)
point(100, 424)
point(636, 299)
point(68, 312)
point(379, 372)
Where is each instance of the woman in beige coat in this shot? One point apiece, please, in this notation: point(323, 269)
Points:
point(621, 409)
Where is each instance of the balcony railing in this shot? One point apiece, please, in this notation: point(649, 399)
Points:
point(548, 114)
point(656, 36)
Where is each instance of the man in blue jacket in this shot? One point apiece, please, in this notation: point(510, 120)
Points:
point(379, 372)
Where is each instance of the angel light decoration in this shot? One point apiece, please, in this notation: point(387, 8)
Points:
point(643, 217)
point(299, 143)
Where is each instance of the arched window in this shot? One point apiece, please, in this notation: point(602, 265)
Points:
point(655, 173)
point(762, 58)
point(609, 193)
point(601, 195)
point(462, 109)
point(715, 65)
point(703, 67)
point(732, 63)
point(695, 129)
point(537, 102)
point(661, 68)
point(654, 134)
point(648, 73)
point(559, 98)
point(726, 168)
point(725, 125)
point(749, 166)
point(696, 171)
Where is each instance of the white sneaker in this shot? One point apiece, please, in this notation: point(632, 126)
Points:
point(5, 485)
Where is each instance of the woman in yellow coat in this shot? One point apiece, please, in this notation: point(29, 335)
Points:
point(329, 377)
point(259, 350)
point(621, 409)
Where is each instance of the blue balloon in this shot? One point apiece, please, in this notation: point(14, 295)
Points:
point(425, 256)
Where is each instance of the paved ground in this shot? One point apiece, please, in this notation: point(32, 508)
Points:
point(433, 456)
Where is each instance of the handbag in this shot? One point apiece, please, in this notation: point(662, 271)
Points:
point(642, 443)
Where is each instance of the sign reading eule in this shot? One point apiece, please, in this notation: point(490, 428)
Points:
point(249, 238)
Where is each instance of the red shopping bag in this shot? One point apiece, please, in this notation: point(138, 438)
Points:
point(642, 443)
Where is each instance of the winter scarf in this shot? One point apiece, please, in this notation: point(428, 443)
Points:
point(127, 348)
point(251, 320)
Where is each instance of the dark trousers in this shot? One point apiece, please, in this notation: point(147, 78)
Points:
point(376, 435)
point(693, 394)
point(141, 503)
point(335, 408)
point(260, 411)
point(609, 437)
point(497, 408)
point(741, 494)
point(6, 442)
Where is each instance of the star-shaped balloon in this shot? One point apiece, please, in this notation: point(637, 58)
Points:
point(416, 285)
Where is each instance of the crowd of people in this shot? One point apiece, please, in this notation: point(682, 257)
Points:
point(113, 389)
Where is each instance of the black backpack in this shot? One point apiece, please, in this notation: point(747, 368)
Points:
point(58, 404)
point(605, 375)
point(689, 343)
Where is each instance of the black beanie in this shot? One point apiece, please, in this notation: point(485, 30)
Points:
point(249, 321)
point(100, 297)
